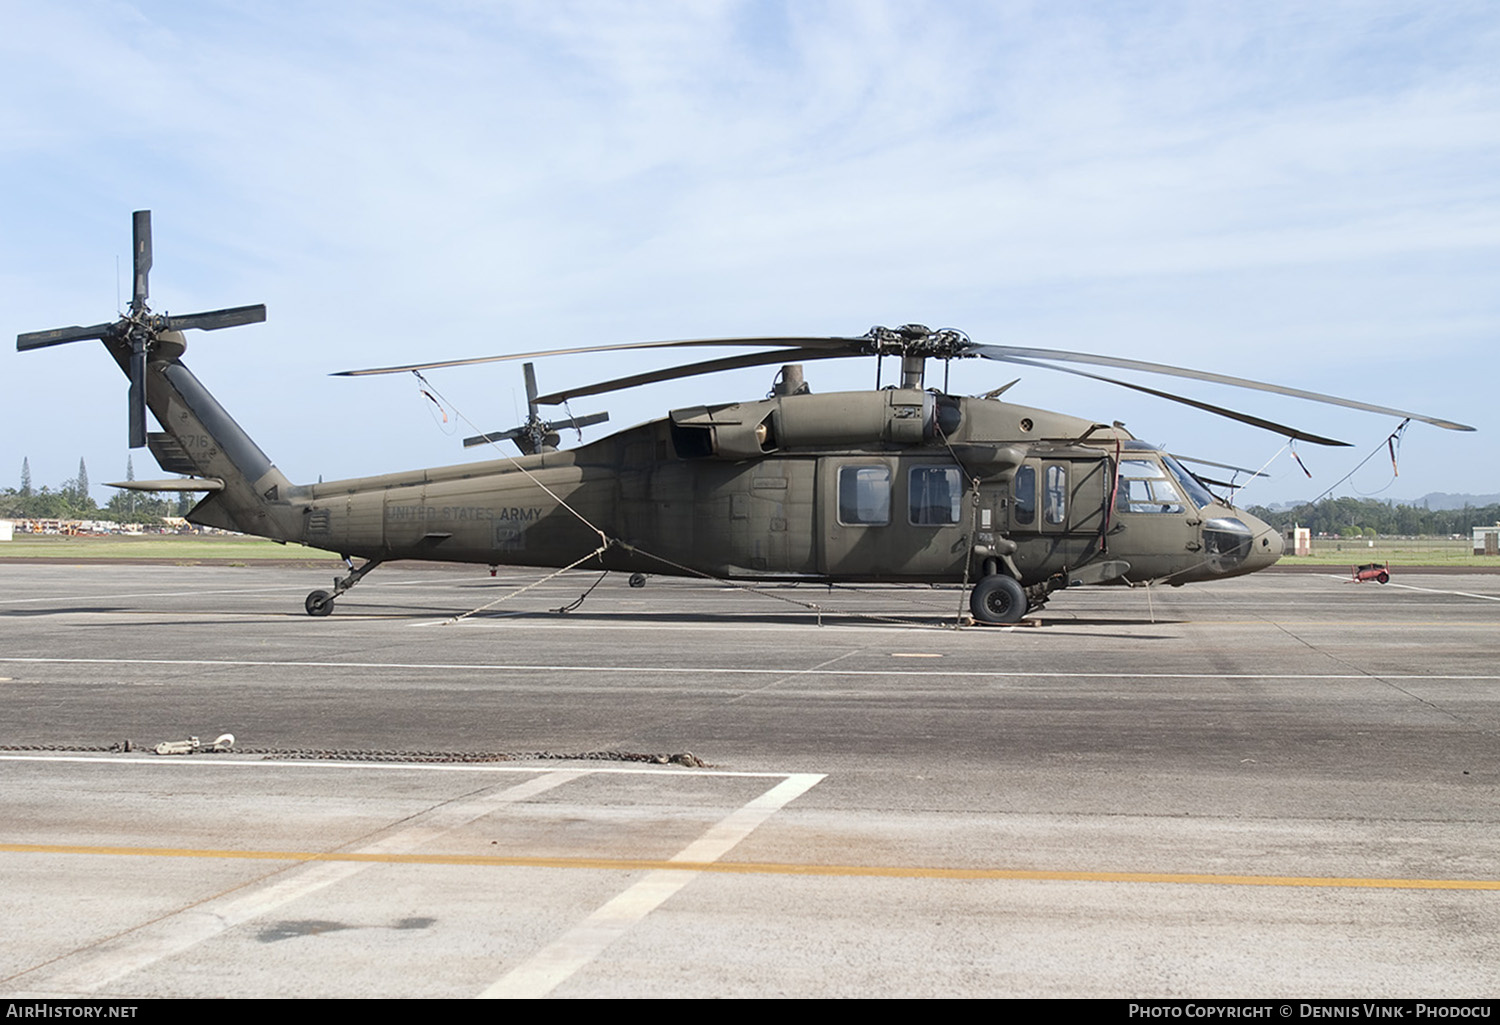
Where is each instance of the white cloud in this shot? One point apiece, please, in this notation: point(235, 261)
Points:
point(1184, 182)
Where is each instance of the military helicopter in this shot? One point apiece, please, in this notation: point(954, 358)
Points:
point(903, 483)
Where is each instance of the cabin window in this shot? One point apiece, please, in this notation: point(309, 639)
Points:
point(1055, 498)
point(1025, 488)
point(1145, 488)
point(865, 496)
point(934, 495)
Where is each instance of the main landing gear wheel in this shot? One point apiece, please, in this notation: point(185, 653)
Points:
point(998, 598)
point(319, 603)
point(637, 580)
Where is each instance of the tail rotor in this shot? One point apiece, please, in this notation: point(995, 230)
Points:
point(139, 336)
point(536, 434)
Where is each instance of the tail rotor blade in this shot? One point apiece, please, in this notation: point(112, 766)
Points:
point(59, 335)
point(495, 436)
point(141, 248)
point(530, 371)
point(579, 422)
point(138, 397)
point(216, 319)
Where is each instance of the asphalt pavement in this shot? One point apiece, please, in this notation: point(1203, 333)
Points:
point(1278, 786)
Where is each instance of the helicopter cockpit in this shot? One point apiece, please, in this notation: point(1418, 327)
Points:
point(1151, 481)
point(1153, 486)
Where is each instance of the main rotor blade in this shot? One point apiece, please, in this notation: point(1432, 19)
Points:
point(1222, 466)
point(846, 347)
point(141, 250)
point(1219, 483)
point(59, 335)
point(1244, 418)
point(213, 320)
point(712, 366)
point(1007, 351)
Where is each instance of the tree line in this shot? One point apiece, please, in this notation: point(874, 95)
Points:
point(71, 500)
point(1349, 516)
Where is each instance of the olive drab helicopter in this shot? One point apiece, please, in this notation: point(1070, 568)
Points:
point(902, 483)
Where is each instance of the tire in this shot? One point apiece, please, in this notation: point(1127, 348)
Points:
point(1383, 577)
point(637, 580)
point(998, 599)
point(319, 603)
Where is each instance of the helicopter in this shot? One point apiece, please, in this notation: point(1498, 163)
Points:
point(901, 484)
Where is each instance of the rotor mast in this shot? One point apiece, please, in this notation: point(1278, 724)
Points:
point(913, 370)
point(915, 344)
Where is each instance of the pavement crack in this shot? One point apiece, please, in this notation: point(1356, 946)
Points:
point(791, 676)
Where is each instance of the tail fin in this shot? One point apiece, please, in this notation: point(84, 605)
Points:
point(201, 439)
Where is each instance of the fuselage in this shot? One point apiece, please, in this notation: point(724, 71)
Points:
point(897, 485)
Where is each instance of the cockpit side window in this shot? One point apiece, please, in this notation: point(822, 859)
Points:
point(1055, 501)
point(1145, 487)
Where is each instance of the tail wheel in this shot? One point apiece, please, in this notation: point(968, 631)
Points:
point(319, 603)
point(998, 599)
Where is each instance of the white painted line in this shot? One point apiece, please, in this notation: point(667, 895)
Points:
point(555, 963)
point(336, 567)
point(725, 671)
point(93, 968)
point(1433, 590)
point(142, 594)
point(217, 761)
point(747, 622)
point(1413, 587)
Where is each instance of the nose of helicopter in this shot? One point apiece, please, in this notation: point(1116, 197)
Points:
point(1236, 543)
point(1266, 545)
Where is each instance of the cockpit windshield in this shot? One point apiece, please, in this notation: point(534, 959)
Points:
point(1200, 495)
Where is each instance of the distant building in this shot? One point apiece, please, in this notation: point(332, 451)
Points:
point(1487, 540)
point(1298, 540)
point(7, 530)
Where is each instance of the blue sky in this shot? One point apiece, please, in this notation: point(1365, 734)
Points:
point(1305, 193)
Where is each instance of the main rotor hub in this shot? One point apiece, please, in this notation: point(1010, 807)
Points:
point(919, 341)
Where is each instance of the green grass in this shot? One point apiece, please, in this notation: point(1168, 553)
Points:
point(1398, 551)
point(186, 547)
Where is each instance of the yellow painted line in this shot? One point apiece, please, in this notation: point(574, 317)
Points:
point(772, 868)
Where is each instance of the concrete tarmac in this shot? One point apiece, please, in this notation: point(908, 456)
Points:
point(1275, 787)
